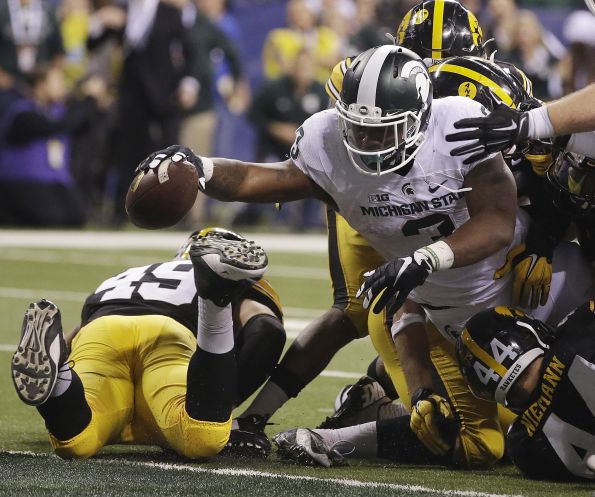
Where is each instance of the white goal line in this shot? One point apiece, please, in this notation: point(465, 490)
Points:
point(234, 472)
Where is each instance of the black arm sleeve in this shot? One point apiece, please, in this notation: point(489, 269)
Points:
point(534, 456)
point(547, 221)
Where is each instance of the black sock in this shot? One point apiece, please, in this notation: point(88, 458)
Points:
point(287, 381)
point(377, 371)
point(212, 385)
point(398, 443)
point(69, 414)
point(258, 349)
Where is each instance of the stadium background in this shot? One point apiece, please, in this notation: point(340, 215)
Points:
point(257, 17)
point(239, 93)
point(66, 265)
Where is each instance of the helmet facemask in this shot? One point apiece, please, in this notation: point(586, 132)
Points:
point(384, 108)
point(378, 144)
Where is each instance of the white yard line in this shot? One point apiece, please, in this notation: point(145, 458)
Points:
point(33, 293)
point(29, 255)
point(300, 243)
point(234, 472)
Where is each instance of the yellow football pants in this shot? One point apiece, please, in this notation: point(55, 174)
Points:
point(350, 256)
point(133, 369)
point(481, 436)
point(482, 423)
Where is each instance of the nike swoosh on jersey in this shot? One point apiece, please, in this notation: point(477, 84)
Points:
point(433, 190)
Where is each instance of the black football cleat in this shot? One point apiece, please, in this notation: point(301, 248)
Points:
point(40, 353)
point(223, 266)
point(308, 448)
point(249, 439)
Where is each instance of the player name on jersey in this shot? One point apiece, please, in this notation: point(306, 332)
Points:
point(535, 412)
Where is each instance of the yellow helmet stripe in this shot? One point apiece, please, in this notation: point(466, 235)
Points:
point(403, 27)
point(437, 29)
point(477, 77)
point(482, 355)
point(527, 85)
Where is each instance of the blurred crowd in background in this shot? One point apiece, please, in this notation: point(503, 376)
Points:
point(88, 88)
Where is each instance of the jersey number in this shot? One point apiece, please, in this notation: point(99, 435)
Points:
point(563, 436)
point(499, 352)
point(171, 282)
point(440, 223)
point(295, 150)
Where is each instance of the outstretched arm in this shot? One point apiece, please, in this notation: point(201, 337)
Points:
point(505, 127)
point(573, 113)
point(233, 180)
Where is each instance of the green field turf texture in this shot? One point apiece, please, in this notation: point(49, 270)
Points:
point(65, 276)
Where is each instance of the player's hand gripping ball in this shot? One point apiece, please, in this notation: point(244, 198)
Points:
point(162, 192)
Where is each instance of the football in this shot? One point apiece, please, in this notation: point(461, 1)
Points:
point(161, 197)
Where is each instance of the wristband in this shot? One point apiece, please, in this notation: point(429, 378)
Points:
point(439, 254)
point(405, 320)
point(420, 394)
point(540, 125)
point(207, 167)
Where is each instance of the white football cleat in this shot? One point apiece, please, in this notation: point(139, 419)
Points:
point(225, 265)
point(307, 447)
point(40, 353)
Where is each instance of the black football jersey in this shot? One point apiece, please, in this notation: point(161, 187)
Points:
point(554, 436)
point(165, 288)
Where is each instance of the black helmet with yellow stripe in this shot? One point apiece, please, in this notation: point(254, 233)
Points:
point(437, 29)
point(478, 79)
point(496, 346)
point(518, 76)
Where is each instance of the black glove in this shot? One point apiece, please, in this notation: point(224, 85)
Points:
point(397, 278)
point(177, 153)
point(499, 130)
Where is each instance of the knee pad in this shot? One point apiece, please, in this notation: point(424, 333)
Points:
point(266, 327)
point(482, 448)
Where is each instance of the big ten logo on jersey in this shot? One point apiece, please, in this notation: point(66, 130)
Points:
point(378, 198)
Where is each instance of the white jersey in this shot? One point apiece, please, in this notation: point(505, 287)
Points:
point(400, 214)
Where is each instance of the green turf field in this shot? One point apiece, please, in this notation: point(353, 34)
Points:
point(27, 468)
